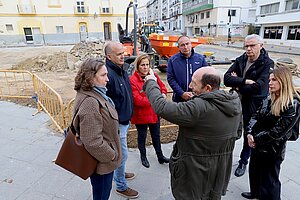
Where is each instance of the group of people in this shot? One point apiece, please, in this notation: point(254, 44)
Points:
point(263, 101)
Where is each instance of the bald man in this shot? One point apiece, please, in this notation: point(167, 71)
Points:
point(119, 90)
point(201, 161)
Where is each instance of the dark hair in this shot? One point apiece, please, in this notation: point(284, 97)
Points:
point(212, 80)
point(182, 36)
point(86, 73)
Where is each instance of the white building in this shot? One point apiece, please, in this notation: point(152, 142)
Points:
point(142, 14)
point(154, 13)
point(176, 21)
point(279, 21)
point(218, 17)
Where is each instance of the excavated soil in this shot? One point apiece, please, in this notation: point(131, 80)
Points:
point(59, 69)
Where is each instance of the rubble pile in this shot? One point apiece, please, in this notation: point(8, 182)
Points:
point(63, 61)
point(84, 50)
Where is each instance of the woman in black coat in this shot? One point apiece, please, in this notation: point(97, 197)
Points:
point(268, 131)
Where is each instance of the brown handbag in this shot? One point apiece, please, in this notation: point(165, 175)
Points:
point(74, 157)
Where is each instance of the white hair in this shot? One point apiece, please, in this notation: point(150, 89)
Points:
point(254, 36)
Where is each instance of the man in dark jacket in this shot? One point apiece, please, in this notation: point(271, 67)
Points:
point(249, 75)
point(181, 67)
point(201, 161)
point(119, 90)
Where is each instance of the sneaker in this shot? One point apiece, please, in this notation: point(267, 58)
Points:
point(129, 176)
point(128, 193)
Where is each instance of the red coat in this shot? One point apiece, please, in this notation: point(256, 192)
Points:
point(142, 111)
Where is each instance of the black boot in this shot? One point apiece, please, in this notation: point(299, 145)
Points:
point(145, 162)
point(163, 160)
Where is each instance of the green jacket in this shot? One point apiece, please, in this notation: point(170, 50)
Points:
point(201, 160)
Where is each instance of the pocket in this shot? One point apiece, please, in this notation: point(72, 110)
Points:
point(113, 145)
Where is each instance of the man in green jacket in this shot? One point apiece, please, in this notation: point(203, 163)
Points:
point(201, 161)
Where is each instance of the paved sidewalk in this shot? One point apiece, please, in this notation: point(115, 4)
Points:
point(27, 148)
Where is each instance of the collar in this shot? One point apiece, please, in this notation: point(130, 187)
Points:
point(116, 68)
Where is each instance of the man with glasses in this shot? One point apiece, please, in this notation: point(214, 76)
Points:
point(249, 76)
point(181, 67)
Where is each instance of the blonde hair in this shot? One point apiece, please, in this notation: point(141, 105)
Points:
point(286, 93)
point(139, 59)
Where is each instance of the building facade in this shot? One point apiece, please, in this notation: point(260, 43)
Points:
point(278, 22)
point(218, 17)
point(47, 22)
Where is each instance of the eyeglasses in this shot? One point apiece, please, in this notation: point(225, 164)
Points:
point(250, 45)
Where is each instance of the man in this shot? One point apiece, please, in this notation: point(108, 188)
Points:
point(181, 67)
point(249, 75)
point(119, 90)
point(201, 161)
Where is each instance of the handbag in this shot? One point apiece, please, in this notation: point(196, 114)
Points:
point(73, 156)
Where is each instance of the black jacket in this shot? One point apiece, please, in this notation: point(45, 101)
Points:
point(252, 95)
point(271, 132)
point(119, 90)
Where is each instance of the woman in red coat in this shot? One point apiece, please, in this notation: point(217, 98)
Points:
point(143, 114)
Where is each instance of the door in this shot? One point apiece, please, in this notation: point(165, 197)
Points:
point(107, 31)
point(28, 35)
point(83, 31)
point(25, 6)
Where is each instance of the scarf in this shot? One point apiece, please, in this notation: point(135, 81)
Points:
point(102, 92)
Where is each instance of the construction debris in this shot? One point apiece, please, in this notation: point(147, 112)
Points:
point(63, 61)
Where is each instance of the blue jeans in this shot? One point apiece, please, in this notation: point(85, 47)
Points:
point(155, 136)
point(101, 185)
point(119, 175)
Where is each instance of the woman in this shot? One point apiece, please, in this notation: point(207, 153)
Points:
point(97, 123)
point(143, 114)
point(268, 131)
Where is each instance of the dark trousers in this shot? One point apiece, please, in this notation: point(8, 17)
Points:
point(101, 185)
point(264, 172)
point(246, 151)
point(155, 135)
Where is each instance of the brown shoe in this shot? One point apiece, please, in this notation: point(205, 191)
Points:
point(128, 193)
point(129, 176)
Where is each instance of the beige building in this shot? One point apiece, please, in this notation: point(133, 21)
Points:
point(43, 22)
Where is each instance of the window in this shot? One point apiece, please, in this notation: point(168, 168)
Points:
point(105, 10)
point(9, 27)
point(197, 31)
point(252, 13)
point(292, 5)
point(54, 2)
point(207, 14)
point(80, 6)
point(232, 13)
point(202, 16)
point(269, 9)
point(294, 33)
point(59, 29)
point(274, 32)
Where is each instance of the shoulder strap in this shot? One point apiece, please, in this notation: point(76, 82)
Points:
point(76, 111)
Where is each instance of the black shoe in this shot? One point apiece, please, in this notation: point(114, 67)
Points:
point(240, 170)
point(145, 162)
point(163, 160)
point(248, 195)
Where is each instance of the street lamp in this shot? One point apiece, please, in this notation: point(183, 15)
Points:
point(229, 24)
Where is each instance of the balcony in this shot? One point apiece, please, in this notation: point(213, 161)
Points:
point(106, 10)
point(81, 10)
point(25, 9)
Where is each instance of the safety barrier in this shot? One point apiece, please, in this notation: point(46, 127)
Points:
point(26, 85)
point(50, 101)
point(16, 84)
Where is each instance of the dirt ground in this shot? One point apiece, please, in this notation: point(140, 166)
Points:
point(61, 76)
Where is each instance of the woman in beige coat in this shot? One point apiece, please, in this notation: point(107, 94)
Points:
point(97, 123)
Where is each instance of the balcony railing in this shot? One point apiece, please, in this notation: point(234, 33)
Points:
point(26, 9)
point(81, 9)
point(106, 10)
